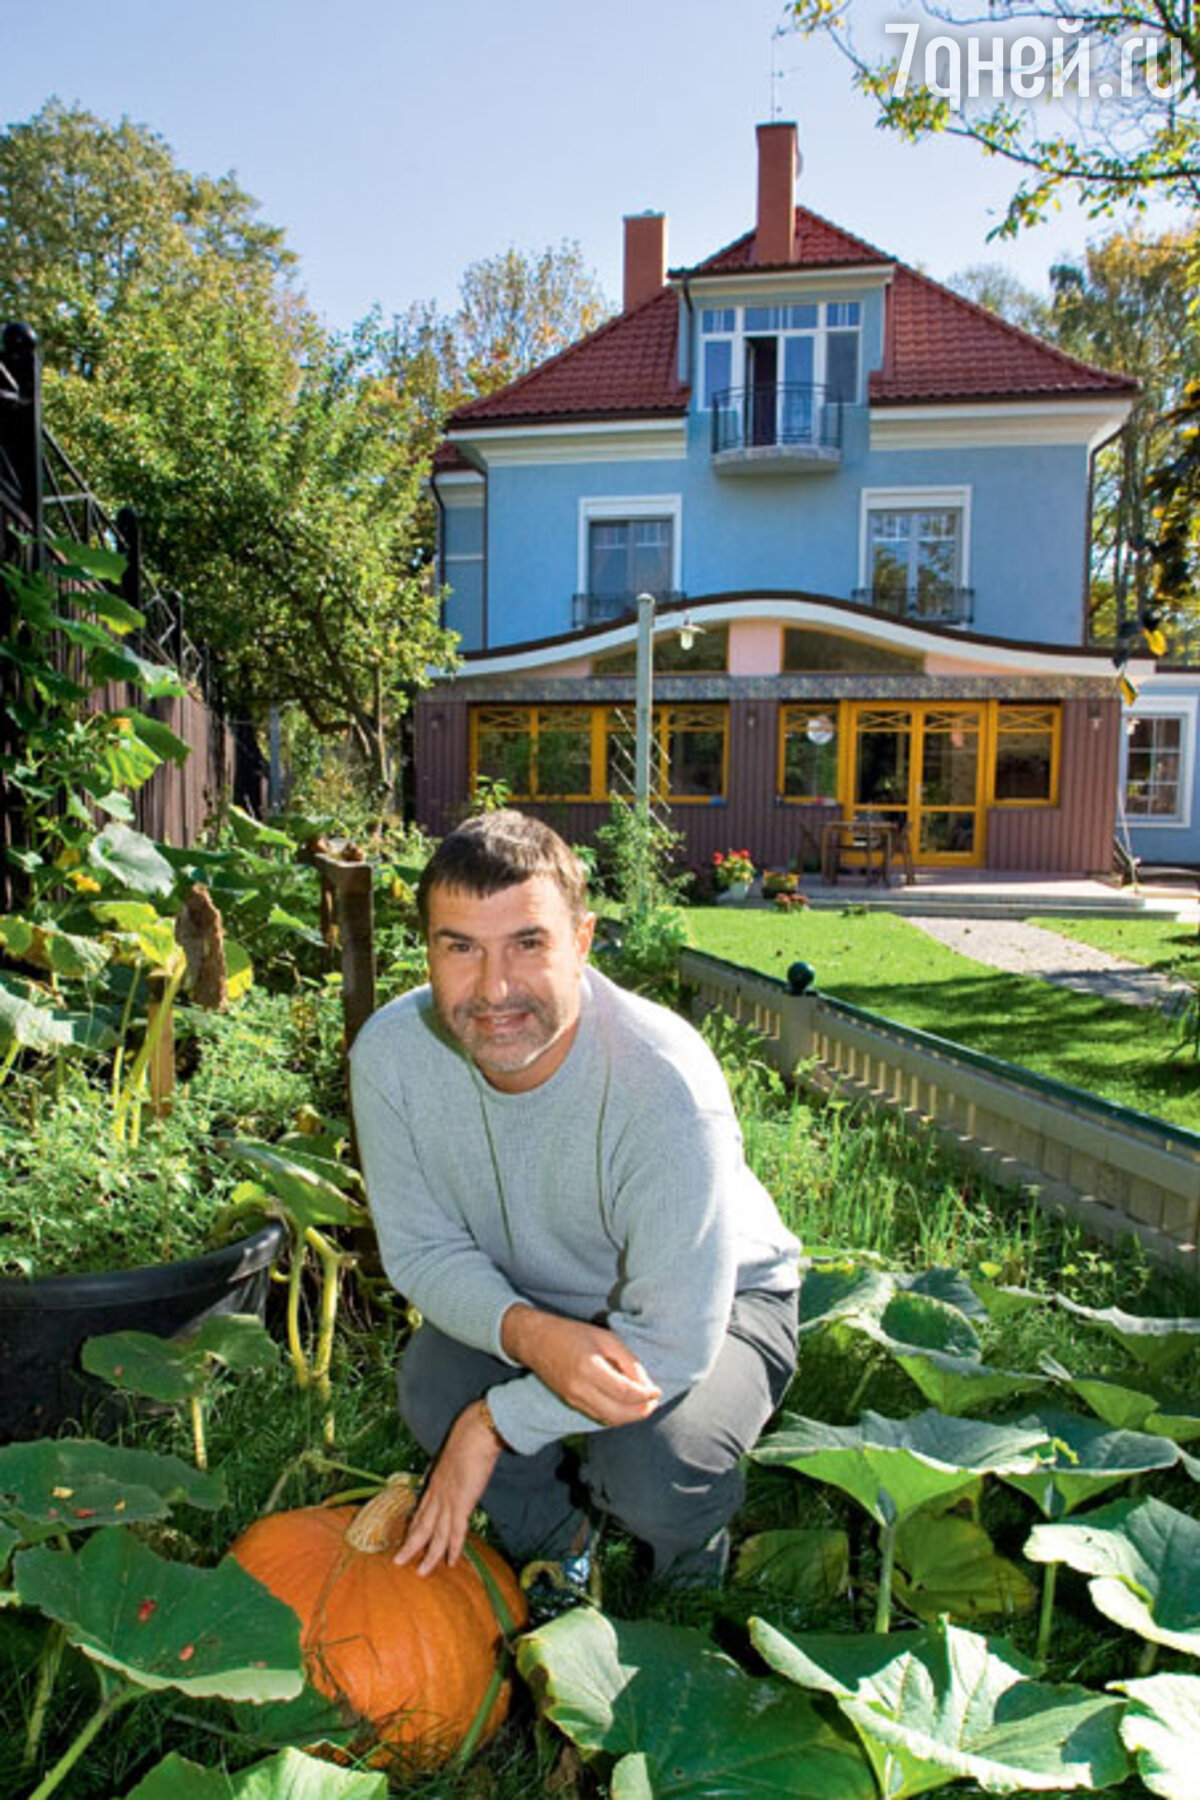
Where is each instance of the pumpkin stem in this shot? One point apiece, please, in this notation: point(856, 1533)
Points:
point(381, 1524)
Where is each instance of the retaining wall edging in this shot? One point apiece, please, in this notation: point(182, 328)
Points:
point(1117, 1171)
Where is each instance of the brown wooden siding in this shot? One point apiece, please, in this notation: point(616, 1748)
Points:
point(442, 757)
point(749, 818)
point(176, 803)
point(1076, 836)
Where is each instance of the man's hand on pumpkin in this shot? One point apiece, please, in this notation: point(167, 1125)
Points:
point(586, 1365)
point(438, 1528)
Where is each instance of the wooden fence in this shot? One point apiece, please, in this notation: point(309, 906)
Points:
point(1116, 1171)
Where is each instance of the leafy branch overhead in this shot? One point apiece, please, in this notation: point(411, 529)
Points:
point(1122, 130)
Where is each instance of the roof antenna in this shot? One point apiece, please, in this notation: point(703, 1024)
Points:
point(778, 75)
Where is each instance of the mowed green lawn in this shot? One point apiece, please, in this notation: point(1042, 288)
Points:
point(875, 960)
point(1166, 944)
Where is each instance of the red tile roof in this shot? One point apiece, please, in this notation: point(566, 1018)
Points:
point(938, 347)
point(819, 245)
point(626, 369)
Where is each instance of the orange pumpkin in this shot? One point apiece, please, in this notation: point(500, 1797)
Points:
point(410, 1655)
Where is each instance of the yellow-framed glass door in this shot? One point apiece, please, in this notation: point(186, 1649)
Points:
point(947, 820)
point(924, 764)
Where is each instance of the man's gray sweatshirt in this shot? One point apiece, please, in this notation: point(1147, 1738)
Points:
point(615, 1192)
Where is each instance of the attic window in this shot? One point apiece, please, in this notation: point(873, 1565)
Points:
point(807, 344)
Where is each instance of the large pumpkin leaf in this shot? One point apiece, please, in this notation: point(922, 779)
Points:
point(1144, 1557)
point(291, 1775)
point(166, 1625)
point(809, 1566)
point(1001, 1301)
point(48, 947)
point(30, 1019)
point(1086, 1458)
point(131, 859)
point(145, 933)
point(680, 1719)
point(119, 663)
point(893, 1466)
point(239, 970)
point(946, 1564)
point(1129, 1408)
point(308, 1195)
point(311, 1718)
point(171, 1369)
point(950, 1286)
point(165, 743)
point(90, 562)
point(127, 762)
point(1162, 1728)
point(927, 1323)
point(282, 920)
point(946, 1704)
point(839, 1291)
point(51, 1485)
point(1157, 1343)
point(961, 1384)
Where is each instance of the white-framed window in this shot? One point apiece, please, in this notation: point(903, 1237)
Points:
point(630, 544)
point(915, 552)
point(781, 361)
point(1157, 753)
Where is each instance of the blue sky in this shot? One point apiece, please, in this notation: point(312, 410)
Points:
point(396, 141)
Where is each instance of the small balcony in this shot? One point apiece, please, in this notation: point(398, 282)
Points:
point(782, 427)
point(613, 609)
point(932, 603)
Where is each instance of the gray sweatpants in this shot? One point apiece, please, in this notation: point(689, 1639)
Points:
point(674, 1480)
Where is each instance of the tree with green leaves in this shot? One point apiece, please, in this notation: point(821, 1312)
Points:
point(1127, 305)
point(98, 219)
point(277, 474)
point(518, 308)
point(1122, 127)
point(996, 288)
point(515, 309)
point(1124, 304)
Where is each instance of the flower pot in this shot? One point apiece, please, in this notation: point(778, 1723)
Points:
point(735, 892)
point(43, 1323)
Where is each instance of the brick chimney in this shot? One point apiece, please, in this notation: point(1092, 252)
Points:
point(645, 257)
point(778, 162)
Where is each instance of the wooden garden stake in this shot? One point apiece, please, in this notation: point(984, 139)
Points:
point(352, 882)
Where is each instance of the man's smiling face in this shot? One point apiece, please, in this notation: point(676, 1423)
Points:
point(505, 970)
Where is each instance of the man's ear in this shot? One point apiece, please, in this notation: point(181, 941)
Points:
point(585, 931)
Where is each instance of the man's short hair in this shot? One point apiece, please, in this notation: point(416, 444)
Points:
point(498, 850)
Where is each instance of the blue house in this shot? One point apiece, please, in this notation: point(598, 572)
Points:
point(861, 503)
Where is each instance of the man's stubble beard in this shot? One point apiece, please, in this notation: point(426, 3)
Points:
point(509, 1055)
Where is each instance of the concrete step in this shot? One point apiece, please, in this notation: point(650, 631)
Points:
point(965, 905)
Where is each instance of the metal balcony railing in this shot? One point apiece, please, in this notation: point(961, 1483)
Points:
point(611, 609)
point(780, 415)
point(930, 604)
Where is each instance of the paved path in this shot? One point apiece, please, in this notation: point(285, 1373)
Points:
point(1024, 949)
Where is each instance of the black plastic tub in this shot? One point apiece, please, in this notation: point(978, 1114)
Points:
point(44, 1323)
